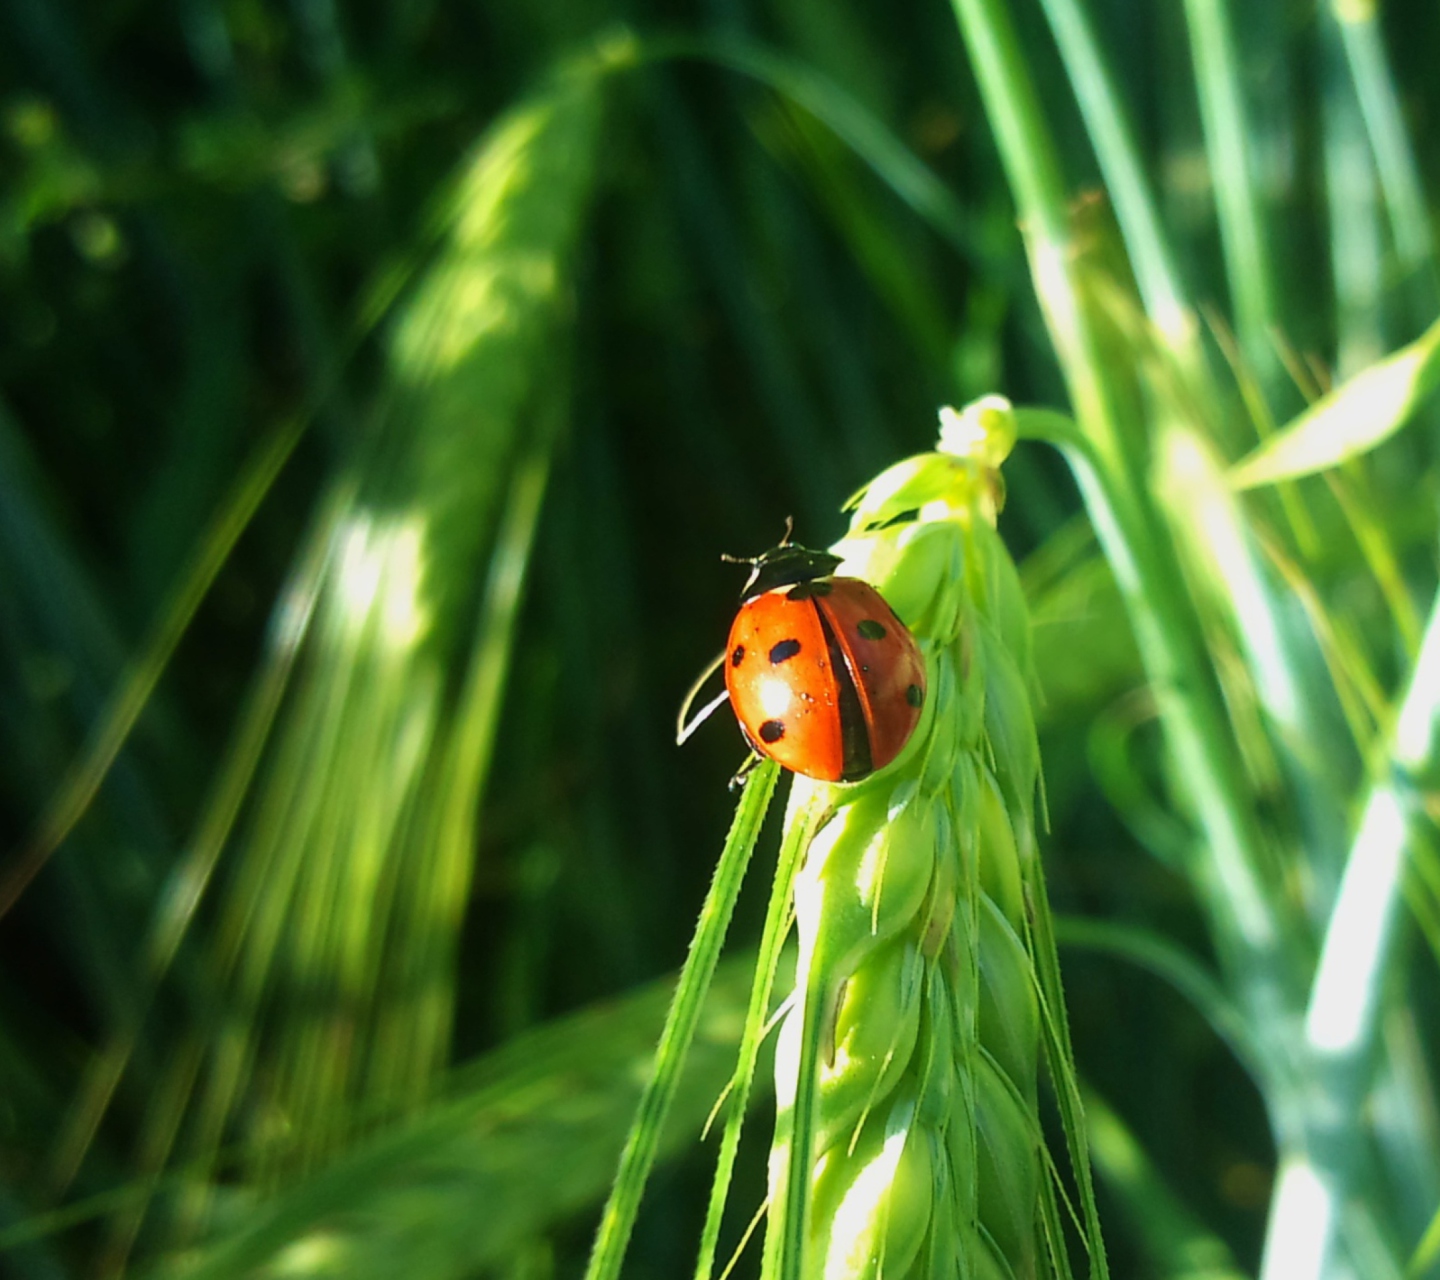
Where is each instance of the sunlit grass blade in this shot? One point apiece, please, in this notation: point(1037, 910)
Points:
point(642, 1144)
point(1343, 1014)
point(372, 754)
point(1113, 138)
point(1356, 219)
point(1353, 419)
point(1280, 660)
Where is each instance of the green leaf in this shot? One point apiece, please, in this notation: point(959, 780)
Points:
point(1353, 419)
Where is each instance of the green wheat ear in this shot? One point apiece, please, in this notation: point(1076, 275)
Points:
point(907, 1140)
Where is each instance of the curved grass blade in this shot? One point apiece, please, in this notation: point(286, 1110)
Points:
point(1172, 964)
point(641, 1145)
point(1113, 138)
point(74, 795)
point(1353, 419)
point(893, 162)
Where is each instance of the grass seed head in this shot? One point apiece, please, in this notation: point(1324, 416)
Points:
point(911, 914)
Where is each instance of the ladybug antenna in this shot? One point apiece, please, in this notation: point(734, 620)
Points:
point(727, 558)
point(684, 730)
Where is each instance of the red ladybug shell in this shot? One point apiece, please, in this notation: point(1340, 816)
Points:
point(824, 678)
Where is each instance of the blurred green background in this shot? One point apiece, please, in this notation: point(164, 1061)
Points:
point(379, 388)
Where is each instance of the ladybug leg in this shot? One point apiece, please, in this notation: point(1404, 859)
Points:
point(742, 774)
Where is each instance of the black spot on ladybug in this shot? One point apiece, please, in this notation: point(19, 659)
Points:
point(782, 651)
point(870, 629)
point(806, 590)
point(772, 731)
point(914, 695)
point(738, 656)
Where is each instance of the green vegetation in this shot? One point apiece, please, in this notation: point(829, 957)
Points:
point(379, 386)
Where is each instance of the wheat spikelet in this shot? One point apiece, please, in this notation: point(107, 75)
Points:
point(916, 987)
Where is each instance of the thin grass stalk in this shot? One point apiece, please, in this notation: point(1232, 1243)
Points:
point(1343, 1014)
point(1360, 34)
point(175, 911)
point(78, 789)
point(1356, 230)
point(618, 1218)
point(1107, 466)
point(1248, 266)
point(778, 918)
point(1174, 965)
point(1113, 138)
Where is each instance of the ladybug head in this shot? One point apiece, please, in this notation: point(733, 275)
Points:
point(784, 566)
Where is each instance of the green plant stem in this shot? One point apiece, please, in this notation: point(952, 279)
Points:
point(643, 1141)
point(1115, 149)
point(772, 939)
point(1343, 1013)
point(1242, 234)
point(1108, 467)
point(1394, 159)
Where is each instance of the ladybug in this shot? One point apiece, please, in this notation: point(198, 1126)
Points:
point(821, 674)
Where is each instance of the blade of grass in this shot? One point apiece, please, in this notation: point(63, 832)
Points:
point(75, 793)
point(363, 744)
point(176, 908)
point(1357, 416)
point(892, 161)
point(1356, 231)
point(1394, 158)
point(1344, 1008)
point(1114, 141)
point(638, 1157)
point(1232, 175)
point(777, 923)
